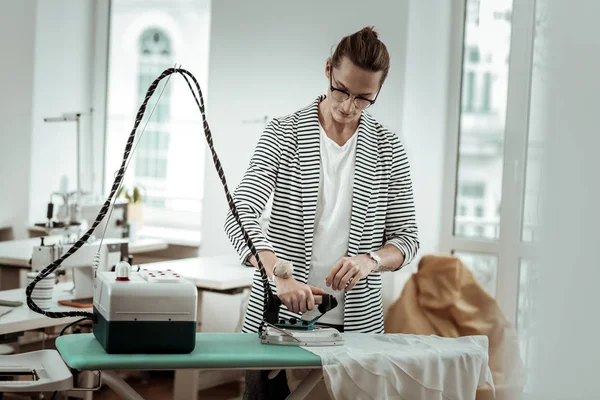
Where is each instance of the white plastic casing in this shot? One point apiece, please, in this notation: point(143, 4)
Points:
point(146, 296)
point(50, 367)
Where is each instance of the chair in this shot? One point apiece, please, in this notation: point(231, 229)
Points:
point(443, 298)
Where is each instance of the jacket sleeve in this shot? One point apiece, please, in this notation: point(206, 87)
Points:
point(253, 192)
point(400, 225)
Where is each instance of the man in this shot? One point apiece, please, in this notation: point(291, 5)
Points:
point(343, 206)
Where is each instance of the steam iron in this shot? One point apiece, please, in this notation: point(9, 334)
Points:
point(300, 332)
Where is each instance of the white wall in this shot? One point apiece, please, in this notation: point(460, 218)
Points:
point(567, 298)
point(17, 33)
point(424, 127)
point(269, 57)
point(64, 50)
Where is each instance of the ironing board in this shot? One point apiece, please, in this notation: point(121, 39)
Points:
point(240, 351)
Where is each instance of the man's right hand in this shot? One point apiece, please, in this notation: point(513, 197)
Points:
point(296, 296)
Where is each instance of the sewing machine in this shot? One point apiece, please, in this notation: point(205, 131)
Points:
point(118, 224)
point(73, 218)
point(80, 262)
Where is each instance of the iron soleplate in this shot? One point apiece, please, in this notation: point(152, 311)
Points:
point(290, 337)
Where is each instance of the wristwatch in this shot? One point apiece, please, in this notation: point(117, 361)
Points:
point(375, 258)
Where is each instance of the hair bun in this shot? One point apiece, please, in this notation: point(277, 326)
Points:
point(364, 49)
point(369, 31)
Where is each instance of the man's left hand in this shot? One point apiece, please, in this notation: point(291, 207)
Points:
point(349, 270)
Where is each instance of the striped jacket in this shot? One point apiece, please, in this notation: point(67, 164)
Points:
point(286, 164)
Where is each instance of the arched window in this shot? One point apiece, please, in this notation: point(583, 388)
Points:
point(155, 55)
point(169, 159)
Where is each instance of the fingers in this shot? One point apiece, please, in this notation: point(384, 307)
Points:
point(316, 290)
point(348, 271)
point(286, 301)
point(334, 271)
point(351, 274)
point(310, 303)
point(292, 303)
point(302, 298)
point(353, 282)
point(299, 302)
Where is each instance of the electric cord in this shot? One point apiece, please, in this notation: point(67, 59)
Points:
point(268, 294)
point(101, 214)
point(97, 261)
point(62, 332)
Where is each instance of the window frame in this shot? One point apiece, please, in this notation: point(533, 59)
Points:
point(153, 217)
point(509, 248)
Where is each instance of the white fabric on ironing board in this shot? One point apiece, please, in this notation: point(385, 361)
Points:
point(403, 366)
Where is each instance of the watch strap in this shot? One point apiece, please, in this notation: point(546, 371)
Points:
point(375, 257)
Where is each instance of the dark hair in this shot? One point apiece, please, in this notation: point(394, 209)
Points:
point(365, 50)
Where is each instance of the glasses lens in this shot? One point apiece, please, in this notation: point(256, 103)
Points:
point(339, 96)
point(361, 103)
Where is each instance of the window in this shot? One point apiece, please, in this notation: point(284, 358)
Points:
point(486, 93)
point(469, 217)
point(469, 92)
point(151, 161)
point(492, 161)
point(472, 190)
point(473, 55)
point(526, 317)
point(479, 77)
point(484, 267)
point(479, 211)
point(145, 38)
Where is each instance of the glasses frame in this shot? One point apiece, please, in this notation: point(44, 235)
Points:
point(348, 95)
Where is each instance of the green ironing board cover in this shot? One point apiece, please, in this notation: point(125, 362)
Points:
point(213, 351)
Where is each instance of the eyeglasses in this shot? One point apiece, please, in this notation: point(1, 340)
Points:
point(341, 95)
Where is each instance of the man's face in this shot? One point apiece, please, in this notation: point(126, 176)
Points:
point(351, 90)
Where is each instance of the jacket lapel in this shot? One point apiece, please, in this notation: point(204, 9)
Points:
point(309, 155)
point(310, 162)
point(367, 157)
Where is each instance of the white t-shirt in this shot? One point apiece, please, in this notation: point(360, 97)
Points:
point(333, 214)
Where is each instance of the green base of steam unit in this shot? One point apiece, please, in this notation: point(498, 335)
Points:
point(145, 337)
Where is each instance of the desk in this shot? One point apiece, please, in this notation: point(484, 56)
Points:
point(22, 319)
point(15, 256)
point(222, 274)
